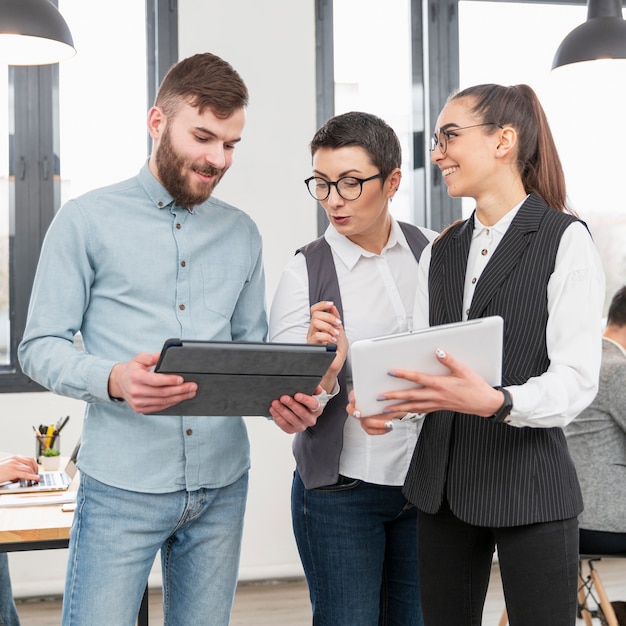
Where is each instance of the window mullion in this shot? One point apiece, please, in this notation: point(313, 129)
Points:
point(443, 78)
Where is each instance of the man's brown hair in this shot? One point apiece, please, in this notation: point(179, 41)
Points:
point(204, 81)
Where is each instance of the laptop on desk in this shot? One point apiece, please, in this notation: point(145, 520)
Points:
point(57, 480)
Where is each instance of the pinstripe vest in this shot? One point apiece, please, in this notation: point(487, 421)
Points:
point(494, 474)
point(318, 448)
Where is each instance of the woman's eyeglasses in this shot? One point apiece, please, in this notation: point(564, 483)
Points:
point(348, 187)
point(441, 138)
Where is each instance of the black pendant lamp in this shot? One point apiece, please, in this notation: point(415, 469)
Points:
point(33, 32)
point(602, 36)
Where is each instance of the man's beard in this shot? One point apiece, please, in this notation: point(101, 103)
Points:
point(171, 166)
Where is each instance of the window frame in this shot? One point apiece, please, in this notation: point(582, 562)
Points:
point(34, 168)
point(435, 27)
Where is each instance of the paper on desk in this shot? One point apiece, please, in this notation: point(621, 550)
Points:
point(37, 499)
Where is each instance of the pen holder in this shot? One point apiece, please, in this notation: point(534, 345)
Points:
point(48, 456)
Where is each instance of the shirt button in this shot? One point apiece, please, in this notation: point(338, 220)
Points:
point(483, 252)
point(159, 203)
point(487, 231)
point(181, 307)
point(467, 311)
point(183, 263)
point(474, 280)
point(189, 431)
point(178, 226)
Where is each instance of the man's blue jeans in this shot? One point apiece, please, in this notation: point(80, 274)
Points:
point(8, 612)
point(116, 535)
point(357, 542)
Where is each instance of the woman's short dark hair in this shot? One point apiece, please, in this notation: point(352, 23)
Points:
point(363, 130)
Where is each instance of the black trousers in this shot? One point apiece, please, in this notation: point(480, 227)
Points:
point(538, 565)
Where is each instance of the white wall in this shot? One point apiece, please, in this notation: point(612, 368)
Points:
point(272, 45)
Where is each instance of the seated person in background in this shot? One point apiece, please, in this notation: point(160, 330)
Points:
point(12, 468)
point(597, 443)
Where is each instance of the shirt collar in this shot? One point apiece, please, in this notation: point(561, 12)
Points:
point(501, 226)
point(350, 252)
point(619, 345)
point(155, 190)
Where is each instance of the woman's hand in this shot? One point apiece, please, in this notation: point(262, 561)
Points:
point(293, 415)
point(462, 391)
point(18, 468)
point(380, 424)
point(326, 327)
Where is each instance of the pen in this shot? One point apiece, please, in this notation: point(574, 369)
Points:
point(59, 427)
point(42, 441)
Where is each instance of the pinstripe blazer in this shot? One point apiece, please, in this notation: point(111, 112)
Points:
point(597, 443)
point(494, 474)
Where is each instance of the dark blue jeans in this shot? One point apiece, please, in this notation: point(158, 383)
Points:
point(357, 543)
point(538, 566)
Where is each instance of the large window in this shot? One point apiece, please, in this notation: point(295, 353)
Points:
point(102, 97)
point(580, 100)
point(377, 78)
point(456, 43)
point(5, 140)
point(71, 127)
point(28, 191)
point(376, 59)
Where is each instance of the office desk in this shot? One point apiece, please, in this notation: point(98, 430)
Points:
point(44, 528)
point(34, 528)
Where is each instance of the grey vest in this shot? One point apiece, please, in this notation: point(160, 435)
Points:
point(493, 474)
point(317, 449)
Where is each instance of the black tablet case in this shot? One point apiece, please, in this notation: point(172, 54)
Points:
point(242, 378)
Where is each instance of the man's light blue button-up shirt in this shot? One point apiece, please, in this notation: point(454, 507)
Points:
point(129, 270)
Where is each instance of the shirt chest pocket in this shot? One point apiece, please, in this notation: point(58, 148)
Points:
point(222, 286)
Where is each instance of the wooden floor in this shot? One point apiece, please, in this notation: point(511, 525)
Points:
point(286, 603)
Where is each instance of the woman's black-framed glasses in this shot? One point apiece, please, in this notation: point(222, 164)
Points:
point(441, 138)
point(348, 187)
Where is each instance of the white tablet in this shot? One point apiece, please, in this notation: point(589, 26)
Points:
point(478, 343)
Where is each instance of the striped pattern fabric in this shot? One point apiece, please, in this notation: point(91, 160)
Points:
point(494, 474)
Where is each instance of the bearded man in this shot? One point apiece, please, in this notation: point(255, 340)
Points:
point(127, 267)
